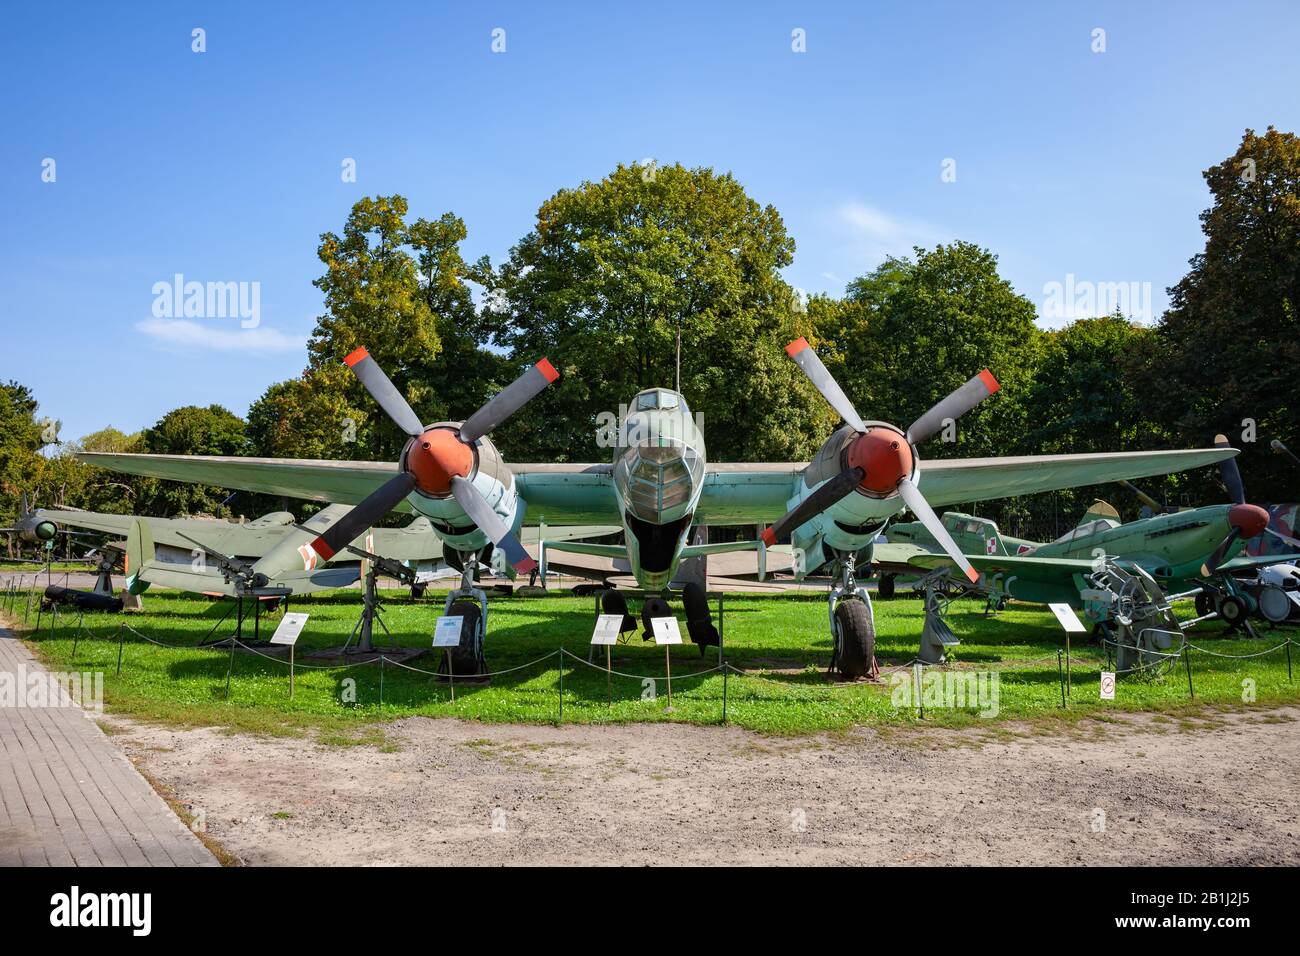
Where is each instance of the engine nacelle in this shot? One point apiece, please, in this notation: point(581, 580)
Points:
point(493, 479)
point(853, 522)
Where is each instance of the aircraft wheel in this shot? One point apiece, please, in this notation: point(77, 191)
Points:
point(857, 640)
point(465, 659)
point(1232, 611)
point(417, 591)
point(886, 587)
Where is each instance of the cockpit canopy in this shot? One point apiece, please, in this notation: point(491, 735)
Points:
point(1087, 529)
point(659, 398)
point(655, 481)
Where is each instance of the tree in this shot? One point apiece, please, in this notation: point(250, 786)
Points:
point(372, 300)
point(20, 442)
point(1229, 343)
point(192, 430)
point(609, 276)
point(910, 332)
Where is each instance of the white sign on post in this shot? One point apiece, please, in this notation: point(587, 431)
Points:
point(608, 627)
point(666, 630)
point(1107, 685)
point(1069, 620)
point(289, 628)
point(446, 632)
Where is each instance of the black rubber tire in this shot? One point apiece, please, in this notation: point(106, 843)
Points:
point(857, 638)
point(1204, 604)
point(885, 588)
point(1232, 611)
point(417, 591)
point(464, 660)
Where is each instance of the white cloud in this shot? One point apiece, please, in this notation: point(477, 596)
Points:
point(874, 234)
point(185, 334)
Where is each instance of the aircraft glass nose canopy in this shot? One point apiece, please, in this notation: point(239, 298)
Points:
point(655, 481)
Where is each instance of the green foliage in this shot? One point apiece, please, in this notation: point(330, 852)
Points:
point(192, 430)
point(1229, 345)
point(20, 441)
point(910, 332)
point(613, 271)
point(400, 291)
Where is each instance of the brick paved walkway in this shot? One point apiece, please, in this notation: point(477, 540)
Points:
point(69, 797)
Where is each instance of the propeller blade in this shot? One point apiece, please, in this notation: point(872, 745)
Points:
point(1281, 449)
point(509, 400)
point(812, 366)
point(384, 392)
point(954, 406)
point(912, 496)
point(1142, 496)
point(1278, 534)
point(373, 507)
point(490, 523)
point(1230, 473)
point(832, 491)
point(1216, 559)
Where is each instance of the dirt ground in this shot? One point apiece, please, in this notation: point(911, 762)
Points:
point(1218, 791)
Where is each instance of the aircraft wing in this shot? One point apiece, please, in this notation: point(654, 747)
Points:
point(342, 482)
point(1029, 568)
point(895, 558)
point(555, 493)
point(1246, 562)
point(89, 520)
point(957, 480)
point(740, 493)
point(182, 577)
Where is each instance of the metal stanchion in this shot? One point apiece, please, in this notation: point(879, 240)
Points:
point(1060, 674)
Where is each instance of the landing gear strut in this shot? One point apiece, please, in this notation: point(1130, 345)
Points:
point(469, 603)
point(852, 624)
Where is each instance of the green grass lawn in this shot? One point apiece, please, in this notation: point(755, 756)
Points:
point(783, 642)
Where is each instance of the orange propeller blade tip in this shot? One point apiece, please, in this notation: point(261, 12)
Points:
point(989, 381)
point(795, 347)
point(323, 549)
point(973, 576)
point(768, 536)
point(525, 567)
point(355, 356)
point(548, 370)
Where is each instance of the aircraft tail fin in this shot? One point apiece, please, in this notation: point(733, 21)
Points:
point(23, 510)
point(1099, 509)
point(139, 554)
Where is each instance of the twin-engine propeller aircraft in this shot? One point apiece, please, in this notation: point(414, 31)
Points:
point(659, 484)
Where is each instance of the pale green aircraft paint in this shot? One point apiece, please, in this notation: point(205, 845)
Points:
point(1172, 548)
point(415, 542)
point(657, 490)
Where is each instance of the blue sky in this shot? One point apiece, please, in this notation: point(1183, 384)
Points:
point(224, 166)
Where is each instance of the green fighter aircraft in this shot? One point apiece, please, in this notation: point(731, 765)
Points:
point(1181, 550)
point(659, 484)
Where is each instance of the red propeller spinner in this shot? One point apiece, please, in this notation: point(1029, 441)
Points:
point(880, 460)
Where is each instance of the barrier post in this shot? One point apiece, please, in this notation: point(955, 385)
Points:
point(1060, 676)
point(230, 667)
point(725, 670)
point(121, 638)
point(1187, 659)
point(561, 718)
point(1288, 660)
